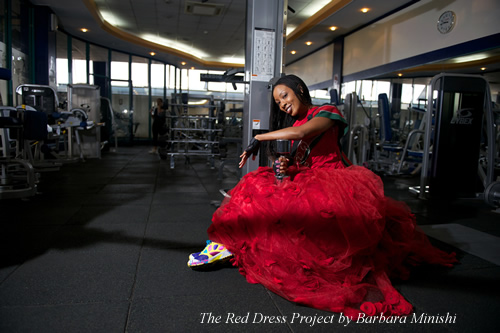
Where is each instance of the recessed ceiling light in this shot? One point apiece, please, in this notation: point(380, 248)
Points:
point(293, 52)
point(84, 29)
point(192, 67)
point(152, 53)
point(183, 63)
point(332, 28)
point(400, 74)
point(483, 68)
point(365, 10)
point(308, 43)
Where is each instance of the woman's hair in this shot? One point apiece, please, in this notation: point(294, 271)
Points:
point(279, 119)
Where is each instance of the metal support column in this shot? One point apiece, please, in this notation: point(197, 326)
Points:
point(265, 44)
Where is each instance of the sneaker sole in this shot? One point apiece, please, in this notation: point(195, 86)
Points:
point(217, 263)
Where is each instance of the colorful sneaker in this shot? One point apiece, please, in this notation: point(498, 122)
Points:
point(196, 254)
point(213, 254)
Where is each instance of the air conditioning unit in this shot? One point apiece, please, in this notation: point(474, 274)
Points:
point(202, 8)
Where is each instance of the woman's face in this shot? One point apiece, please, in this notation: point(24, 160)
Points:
point(287, 101)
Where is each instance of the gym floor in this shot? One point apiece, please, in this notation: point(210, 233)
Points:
point(103, 248)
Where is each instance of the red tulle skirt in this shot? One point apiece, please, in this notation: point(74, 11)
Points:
point(328, 238)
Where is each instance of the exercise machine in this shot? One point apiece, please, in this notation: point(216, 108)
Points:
point(461, 136)
point(356, 143)
point(18, 178)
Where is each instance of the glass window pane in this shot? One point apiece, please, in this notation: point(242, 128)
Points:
point(79, 61)
point(348, 88)
point(142, 118)
point(184, 80)
point(2, 25)
point(119, 69)
point(172, 77)
point(97, 54)
point(381, 87)
point(194, 80)
point(62, 76)
point(157, 75)
point(19, 20)
point(120, 94)
point(217, 86)
point(406, 93)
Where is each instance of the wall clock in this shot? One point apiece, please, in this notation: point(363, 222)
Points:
point(446, 22)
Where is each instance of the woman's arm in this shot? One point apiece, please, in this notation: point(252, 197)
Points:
point(311, 128)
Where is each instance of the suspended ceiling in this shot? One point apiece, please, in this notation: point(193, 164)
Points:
point(181, 33)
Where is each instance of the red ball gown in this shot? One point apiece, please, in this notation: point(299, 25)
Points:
point(327, 236)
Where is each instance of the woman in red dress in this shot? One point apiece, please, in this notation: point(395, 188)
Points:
point(326, 236)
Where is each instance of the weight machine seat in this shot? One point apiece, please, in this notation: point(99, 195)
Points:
point(35, 125)
point(391, 147)
point(386, 132)
point(10, 122)
point(385, 118)
point(17, 175)
point(33, 139)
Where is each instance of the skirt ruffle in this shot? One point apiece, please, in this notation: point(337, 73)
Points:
point(328, 239)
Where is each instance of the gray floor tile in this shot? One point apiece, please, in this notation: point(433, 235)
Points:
point(180, 188)
point(187, 313)
point(103, 317)
point(187, 213)
point(128, 188)
point(119, 199)
point(471, 295)
point(101, 215)
point(171, 198)
point(164, 273)
point(74, 275)
point(174, 235)
point(104, 248)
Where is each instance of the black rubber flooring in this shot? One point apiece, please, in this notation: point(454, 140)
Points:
point(103, 248)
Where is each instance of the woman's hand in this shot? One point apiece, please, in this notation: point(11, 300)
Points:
point(252, 149)
point(281, 165)
point(244, 158)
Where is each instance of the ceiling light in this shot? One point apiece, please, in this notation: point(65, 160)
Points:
point(293, 52)
point(312, 8)
point(365, 10)
point(183, 63)
point(333, 28)
point(110, 17)
point(152, 53)
point(308, 43)
point(84, 29)
point(290, 28)
point(233, 60)
point(400, 74)
point(472, 57)
point(175, 45)
point(206, 9)
point(192, 67)
point(483, 68)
